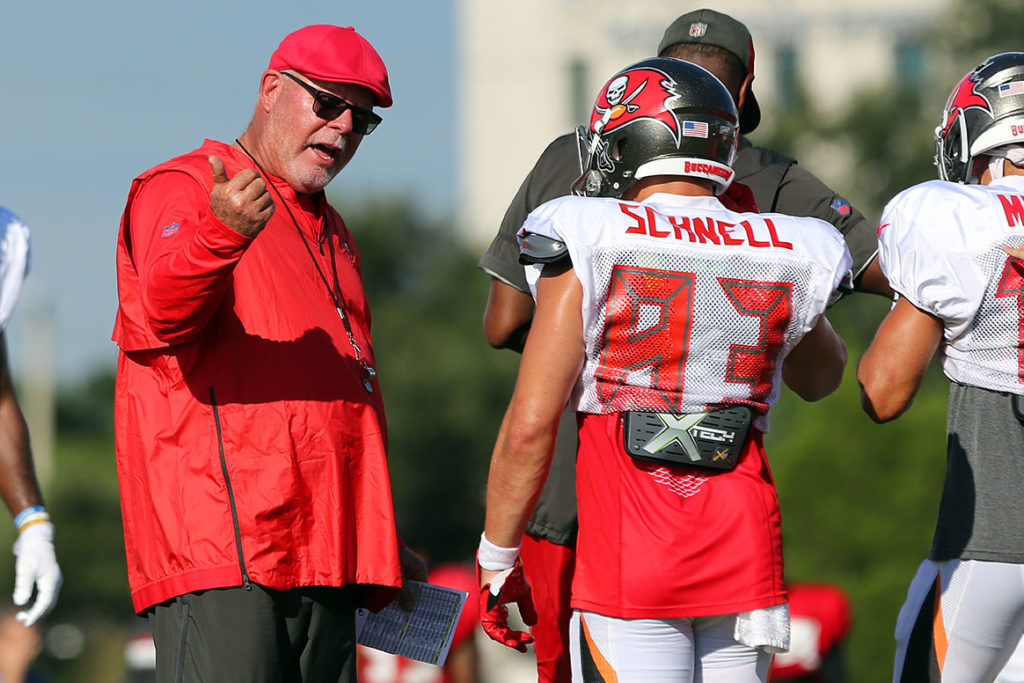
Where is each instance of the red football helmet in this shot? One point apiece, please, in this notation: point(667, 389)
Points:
point(660, 116)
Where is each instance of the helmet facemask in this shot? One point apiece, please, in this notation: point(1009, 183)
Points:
point(952, 154)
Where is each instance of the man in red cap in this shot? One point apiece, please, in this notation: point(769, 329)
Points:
point(250, 432)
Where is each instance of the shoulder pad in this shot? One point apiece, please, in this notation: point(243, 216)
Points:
point(844, 288)
point(534, 248)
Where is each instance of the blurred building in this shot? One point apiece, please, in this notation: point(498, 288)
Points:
point(529, 70)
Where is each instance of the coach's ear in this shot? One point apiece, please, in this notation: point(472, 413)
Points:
point(744, 91)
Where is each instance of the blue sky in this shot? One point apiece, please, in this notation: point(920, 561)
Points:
point(93, 96)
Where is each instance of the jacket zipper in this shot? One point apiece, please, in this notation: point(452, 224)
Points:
point(246, 584)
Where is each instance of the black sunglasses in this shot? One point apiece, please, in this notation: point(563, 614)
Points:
point(329, 106)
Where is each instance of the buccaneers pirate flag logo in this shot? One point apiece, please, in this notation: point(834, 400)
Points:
point(636, 95)
point(963, 97)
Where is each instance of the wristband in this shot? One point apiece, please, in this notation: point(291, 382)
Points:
point(494, 558)
point(31, 515)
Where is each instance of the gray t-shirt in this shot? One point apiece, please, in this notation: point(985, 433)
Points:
point(981, 513)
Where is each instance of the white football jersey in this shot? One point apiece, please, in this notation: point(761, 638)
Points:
point(14, 260)
point(939, 245)
point(686, 304)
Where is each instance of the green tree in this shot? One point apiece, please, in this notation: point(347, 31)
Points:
point(976, 29)
point(444, 388)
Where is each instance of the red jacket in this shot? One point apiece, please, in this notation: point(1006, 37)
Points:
point(247, 447)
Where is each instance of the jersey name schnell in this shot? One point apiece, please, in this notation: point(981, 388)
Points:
point(759, 232)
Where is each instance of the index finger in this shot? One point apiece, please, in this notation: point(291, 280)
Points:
point(244, 178)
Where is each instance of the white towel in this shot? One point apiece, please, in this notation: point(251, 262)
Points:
point(766, 628)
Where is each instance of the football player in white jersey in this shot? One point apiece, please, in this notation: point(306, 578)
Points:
point(35, 570)
point(949, 248)
point(672, 321)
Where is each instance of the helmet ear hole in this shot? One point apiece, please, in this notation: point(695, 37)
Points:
point(956, 146)
point(618, 149)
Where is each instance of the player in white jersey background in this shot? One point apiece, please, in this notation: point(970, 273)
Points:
point(35, 571)
point(672, 321)
point(950, 250)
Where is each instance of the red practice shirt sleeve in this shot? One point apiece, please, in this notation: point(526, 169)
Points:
point(184, 255)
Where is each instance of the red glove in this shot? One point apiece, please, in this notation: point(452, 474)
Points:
point(508, 586)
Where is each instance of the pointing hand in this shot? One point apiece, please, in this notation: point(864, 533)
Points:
point(242, 203)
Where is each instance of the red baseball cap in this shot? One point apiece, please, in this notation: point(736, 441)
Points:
point(336, 54)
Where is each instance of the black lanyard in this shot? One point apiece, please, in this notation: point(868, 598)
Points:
point(333, 292)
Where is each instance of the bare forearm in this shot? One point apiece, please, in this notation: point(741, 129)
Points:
point(887, 387)
point(507, 317)
point(551, 363)
point(18, 485)
point(519, 468)
point(892, 369)
point(873, 281)
point(814, 369)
